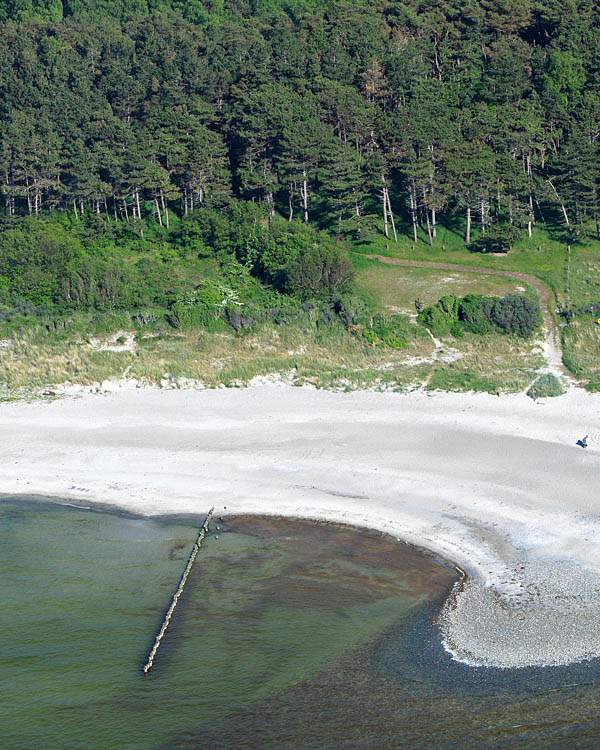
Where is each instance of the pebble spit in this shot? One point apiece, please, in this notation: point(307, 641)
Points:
point(542, 621)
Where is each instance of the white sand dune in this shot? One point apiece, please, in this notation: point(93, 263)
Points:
point(497, 485)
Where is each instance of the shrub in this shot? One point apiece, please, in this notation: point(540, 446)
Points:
point(478, 314)
point(516, 314)
point(474, 312)
point(457, 330)
point(318, 270)
point(239, 319)
point(388, 333)
point(393, 341)
point(440, 317)
point(545, 386)
point(370, 335)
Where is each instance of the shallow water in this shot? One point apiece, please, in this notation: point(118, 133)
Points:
point(289, 635)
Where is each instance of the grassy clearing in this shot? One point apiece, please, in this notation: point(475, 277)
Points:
point(395, 288)
point(574, 278)
point(583, 278)
point(541, 255)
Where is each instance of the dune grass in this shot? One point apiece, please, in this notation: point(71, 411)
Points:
point(35, 358)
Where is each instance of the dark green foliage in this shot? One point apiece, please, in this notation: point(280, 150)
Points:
point(474, 312)
point(545, 386)
point(516, 313)
point(387, 332)
point(147, 110)
point(499, 238)
point(149, 145)
point(318, 270)
point(440, 318)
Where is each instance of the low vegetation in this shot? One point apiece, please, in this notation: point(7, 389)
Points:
point(475, 313)
point(546, 386)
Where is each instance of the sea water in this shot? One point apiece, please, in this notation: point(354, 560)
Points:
point(289, 634)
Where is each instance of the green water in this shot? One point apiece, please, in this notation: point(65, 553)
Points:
point(289, 635)
point(83, 594)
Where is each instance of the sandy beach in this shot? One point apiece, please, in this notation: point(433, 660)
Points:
point(497, 485)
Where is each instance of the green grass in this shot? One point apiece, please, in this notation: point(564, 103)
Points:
point(581, 348)
point(333, 358)
point(541, 255)
point(395, 288)
point(573, 277)
point(38, 359)
point(490, 363)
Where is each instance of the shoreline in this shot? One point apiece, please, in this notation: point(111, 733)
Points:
point(496, 485)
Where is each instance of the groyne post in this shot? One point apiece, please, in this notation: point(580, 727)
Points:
point(167, 618)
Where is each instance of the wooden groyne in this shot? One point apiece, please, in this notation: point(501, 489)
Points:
point(177, 594)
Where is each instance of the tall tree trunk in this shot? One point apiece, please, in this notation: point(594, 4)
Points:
point(468, 233)
point(75, 209)
point(305, 194)
point(165, 208)
point(391, 215)
point(429, 234)
point(539, 208)
point(158, 214)
point(291, 200)
point(562, 205)
point(386, 228)
point(433, 222)
point(137, 203)
point(357, 212)
point(482, 218)
point(413, 210)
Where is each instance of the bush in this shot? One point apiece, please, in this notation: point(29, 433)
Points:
point(440, 317)
point(388, 333)
point(370, 335)
point(318, 270)
point(516, 314)
point(457, 330)
point(474, 312)
point(545, 386)
point(478, 314)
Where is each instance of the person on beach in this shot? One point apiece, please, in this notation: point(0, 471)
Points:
point(584, 441)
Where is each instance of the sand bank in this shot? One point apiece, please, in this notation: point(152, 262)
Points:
point(496, 484)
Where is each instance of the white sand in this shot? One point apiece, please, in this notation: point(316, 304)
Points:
point(495, 484)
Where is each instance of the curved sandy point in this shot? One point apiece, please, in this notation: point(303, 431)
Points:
point(497, 485)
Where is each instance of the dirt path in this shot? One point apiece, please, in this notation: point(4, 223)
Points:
point(552, 345)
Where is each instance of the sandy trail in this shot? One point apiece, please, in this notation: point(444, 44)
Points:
point(497, 485)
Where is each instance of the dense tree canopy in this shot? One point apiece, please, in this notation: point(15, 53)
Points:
point(345, 114)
